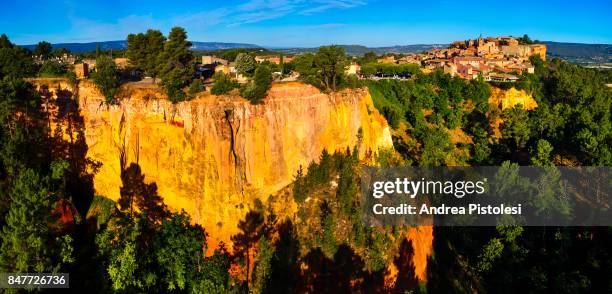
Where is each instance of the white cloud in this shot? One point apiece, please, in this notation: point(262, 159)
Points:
point(260, 10)
point(253, 11)
point(324, 5)
point(201, 19)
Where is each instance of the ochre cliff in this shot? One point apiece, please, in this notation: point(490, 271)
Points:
point(509, 98)
point(214, 155)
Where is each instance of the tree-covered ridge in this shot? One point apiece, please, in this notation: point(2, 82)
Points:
point(572, 118)
point(570, 126)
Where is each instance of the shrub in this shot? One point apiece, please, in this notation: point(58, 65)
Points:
point(256, 90)
point(52, 68)
point(195, 88)
point(223, 84)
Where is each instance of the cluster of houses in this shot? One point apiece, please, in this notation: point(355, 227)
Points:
point(63, 58)
point(495, 58)
point(83, 69)
point(212, 64)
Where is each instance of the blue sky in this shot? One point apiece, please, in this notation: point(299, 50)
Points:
point(306, 23)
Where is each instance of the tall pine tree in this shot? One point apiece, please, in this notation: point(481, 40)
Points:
point(175, 67)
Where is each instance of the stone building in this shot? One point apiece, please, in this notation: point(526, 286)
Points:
point(81, 70)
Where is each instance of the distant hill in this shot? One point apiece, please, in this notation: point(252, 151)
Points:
point(578, 52)
point(358, 50)
point(122, 44)
point(573, 52)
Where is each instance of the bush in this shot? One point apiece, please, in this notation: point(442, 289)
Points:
point(256, 90)
point(352, 82)
point(106, 78)
point(249, 91)
point(245, 64)
point(223, 84)
point(392, 117)
point(195, 88)
point(52, 68)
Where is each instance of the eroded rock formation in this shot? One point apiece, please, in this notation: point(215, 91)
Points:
point(505, 99)
point(213, 156)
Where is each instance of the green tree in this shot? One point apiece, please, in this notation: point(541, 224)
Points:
point(175, 67)
point(144, 49)
point(126, 262)
point(14, 60)
point(330, 62)
point(494, 249)
point(213, 276)
point(43, 50)
point(525, 40)
point(52, 68)
point(179, 251)
point(21, 136)
point(106, 78)
point(195, 87)
point(26, 236)
point(257, 89)
point(304, 64)
point(393, 118)
point(155, 45)
point(262, 269)
point(542, 154)
point(481, 151)
point(328, 242)
point(436, 147)
point(369, 57)
point(5, 42)
point(516, 127)
point(245, 64)
point(478, 91)
point(283, 68)
point(299, 189)
point(223, 84)
point(162, 256)
point(61, 51)
point(137, 50)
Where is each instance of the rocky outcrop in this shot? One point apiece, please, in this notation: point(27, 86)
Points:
point(214, 155)
point(505, 99)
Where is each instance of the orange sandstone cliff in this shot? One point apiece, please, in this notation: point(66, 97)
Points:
point(505, 99)
point(213, 156)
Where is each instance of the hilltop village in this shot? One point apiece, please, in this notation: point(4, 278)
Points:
point(496, 59)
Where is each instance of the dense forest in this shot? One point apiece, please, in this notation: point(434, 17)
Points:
point(51, 220)
point(571, 126)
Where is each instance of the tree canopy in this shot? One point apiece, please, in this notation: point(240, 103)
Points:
point(175, 65)
point(245, 64)
point(144, 49)
point(43, 49)
point(106, 78)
